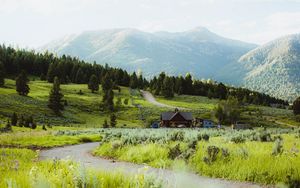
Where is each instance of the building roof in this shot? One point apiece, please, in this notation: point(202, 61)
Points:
point(170, 115)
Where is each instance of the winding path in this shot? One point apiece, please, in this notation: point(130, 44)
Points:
point(150, 98)
point(174, 179)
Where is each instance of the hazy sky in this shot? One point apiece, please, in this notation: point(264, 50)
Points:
point(32, 23)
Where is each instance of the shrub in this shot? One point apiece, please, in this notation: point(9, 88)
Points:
point(174, 152)
point(212, 153)
point(177, 136)
point(116, 144)
point(205, 137)
point(238, 139)
point(85, 139)
point(264, 136)
point(278, 147)
point(192, 144)
point(187, 154)
point(225, 152)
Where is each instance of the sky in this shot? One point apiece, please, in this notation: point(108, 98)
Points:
point(33, 23)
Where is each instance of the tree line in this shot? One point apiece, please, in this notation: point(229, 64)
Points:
point(68, 69)
point(167, 86)
point(73, 70)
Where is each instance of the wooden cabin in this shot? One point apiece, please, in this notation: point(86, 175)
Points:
point(176, 119)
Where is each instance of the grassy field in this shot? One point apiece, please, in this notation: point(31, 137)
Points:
point(38, 139)
point(21, 168)
point(263, 156)
point(84, 110)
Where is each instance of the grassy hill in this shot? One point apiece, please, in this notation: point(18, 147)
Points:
point(82, 110)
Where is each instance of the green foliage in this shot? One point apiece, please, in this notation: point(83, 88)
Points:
point(14, 119)
point(296, 106)
point(228, 111)
point(167, 88)
point(20, 169)
point(93, 83)
point(113, 120)
point(55, 98)
point(174, 152)
point(134, 84)
point(2, 74)
point(105, 124)
point(278, 147)
point(22, 84)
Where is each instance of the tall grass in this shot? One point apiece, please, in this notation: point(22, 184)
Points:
point(238, 155)
point(20, 168)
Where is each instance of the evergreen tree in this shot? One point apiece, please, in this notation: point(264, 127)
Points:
point(93, 83)
point(21, 121)
point(105, 124)
point(167, 88)
point(43, 77)
point(110, 100)
point(179, 81)
point(134, 83)
point(51, 72)
point(80, 78)
point(296, 106)
point(55, 97)
point(22, 84)
point(14, 119)
point(2, 74)
point(113, 120)
point(188, 85)
point(106, 83)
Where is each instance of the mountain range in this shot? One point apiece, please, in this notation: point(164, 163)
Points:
point(273, 68)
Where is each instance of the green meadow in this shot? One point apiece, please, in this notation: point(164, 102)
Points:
point(265, 156)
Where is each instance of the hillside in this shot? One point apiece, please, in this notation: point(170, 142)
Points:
point(198, 51)
point(82, 110)
point(273, 68)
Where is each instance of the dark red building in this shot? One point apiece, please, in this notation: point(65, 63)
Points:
point(176, 119)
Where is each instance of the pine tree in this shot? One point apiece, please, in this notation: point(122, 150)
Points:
point(93, 83)
point(296, 106)
point(14, 119)
point(134, 83)
point(106, 83)
point(113, 120)
point(55, 98)
point(188, 85)
point(79, 77)
point(105, 124)
point(110, 100)
point(167, 88)
point(2, 74)
point(21, 121)
point(51, 72)
point(22, 84)
point(43, 77)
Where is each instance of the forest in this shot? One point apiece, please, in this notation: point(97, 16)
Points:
point(69, 69)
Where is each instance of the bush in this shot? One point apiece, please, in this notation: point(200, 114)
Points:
point(205, 137)
point(177, 136)
point(238, 139)
point(212, 153)
point(116, 144)
point(264, 136)
point(187, 154)
point(278, 147)
point(192, 144)
point(85, 139)
point(174, 152)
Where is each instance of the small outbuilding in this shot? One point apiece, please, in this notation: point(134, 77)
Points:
point(176, 119)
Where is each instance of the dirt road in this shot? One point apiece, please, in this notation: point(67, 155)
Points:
point(150, 98)
point(174, 179)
